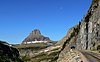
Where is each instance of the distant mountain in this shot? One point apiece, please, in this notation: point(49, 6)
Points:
point(36, 37)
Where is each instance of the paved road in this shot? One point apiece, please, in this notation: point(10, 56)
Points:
point(91, 57)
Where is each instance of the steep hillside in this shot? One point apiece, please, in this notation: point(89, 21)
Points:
point(87, 32)
point(85, 35)
point(8, 54)
point(89, 35)
point(38, 52)
point(72, 33)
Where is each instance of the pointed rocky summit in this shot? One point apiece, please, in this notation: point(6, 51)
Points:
point(36, 37)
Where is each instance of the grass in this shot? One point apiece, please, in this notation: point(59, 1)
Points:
point(25, 58)
point(44, 56)
point(37, 45)
point(41, 56)
point(95, 1)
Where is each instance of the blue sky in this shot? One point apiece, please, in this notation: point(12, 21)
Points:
point(52, 17)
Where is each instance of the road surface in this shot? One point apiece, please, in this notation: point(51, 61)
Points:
point(90, 56)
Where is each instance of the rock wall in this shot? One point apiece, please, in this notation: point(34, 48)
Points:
point(86, 34)
point(89, 35)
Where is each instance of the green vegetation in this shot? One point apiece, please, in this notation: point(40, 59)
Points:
point(9, 54)
point(51, 56)
point(98, 47)
point(75, 32)
point(25, 58)
point(45, 57)
point(93, 49)
point(95, 1)
point(31, 46)
point(9, 59)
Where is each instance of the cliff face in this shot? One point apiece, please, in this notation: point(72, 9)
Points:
point(85, 35)
point(8, 54)
point(89, 34)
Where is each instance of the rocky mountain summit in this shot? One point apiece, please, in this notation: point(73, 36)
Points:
point(36, 37)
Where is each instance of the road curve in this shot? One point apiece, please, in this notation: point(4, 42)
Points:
point(90, 56)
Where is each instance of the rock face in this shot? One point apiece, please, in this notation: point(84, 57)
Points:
point(89, 34)
point(85, 35)
point(8, 54)
point(71, 56)
point(36, 37)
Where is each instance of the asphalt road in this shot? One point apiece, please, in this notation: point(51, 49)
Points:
point(91, 57)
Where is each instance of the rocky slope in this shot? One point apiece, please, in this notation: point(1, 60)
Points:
point(89, 34)
point(85, 35)
point(8, 54)
point(31, 53)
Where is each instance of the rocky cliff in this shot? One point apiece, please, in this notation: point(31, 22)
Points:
point(8, 54)
point(89, 34)
point(85, 35)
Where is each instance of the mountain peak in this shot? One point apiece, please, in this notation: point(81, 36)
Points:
point(36, 32)
point(36, 37)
